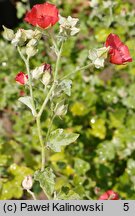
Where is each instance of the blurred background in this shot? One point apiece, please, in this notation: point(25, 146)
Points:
point(101, 107)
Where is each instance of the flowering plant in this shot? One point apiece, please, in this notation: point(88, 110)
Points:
point(56, 87)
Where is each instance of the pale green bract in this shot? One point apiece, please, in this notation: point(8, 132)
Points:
point(98, 56)
point(68, 25)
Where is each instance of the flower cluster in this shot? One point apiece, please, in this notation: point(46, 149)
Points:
point(68, 26)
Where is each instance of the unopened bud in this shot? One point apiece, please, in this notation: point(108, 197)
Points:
point(8, 34)
point(20, 38)
point(33, 42)
point(37, 34)
point(61, 109)
point(27, 182)
point(46, 78)
point(30, 51)
point(37, 72)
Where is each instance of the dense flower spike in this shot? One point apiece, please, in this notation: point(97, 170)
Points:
point(21, 78)
point(42, 15)
point(109, 195)
point(119, 52)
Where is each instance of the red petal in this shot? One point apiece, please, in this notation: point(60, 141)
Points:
point(119, 53)
point(43, 15)
point(21, 78)
point(110, 194)
point(104, 196)
point(113, 195)
point(113, 41)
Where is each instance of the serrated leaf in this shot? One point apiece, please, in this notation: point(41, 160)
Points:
point(60, 138)
point(66, 86)
point(46, 179)
point(28, 102)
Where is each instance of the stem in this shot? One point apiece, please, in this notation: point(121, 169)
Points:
point(32, 194)
point(78, 69)
point(41, 143)
point(50, 33)
point(53, 85)
point(26, 61)
point(50, 126)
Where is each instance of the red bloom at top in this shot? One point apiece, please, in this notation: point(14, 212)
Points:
point(109, 195)
point(119, 52)
point(42, 15)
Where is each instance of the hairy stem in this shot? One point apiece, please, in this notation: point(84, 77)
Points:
point(32, 194)
point(42, 109)
point(53, 85)
point(78, 69)
point(41, 143)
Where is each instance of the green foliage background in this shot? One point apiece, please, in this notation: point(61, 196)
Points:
point(101, 110)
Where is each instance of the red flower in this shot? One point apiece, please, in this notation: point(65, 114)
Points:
point(21, 78)
point(42, 15)
point(119, 52)
point(109, 195)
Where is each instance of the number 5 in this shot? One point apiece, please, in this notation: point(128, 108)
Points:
point(126, 207)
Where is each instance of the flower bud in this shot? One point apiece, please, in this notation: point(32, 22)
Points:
point(33, 42)
point(37, 72)
point(31, 51)
point(20, 38)
point(46, 78)
point(8, 34)
point(98, 56)
point(21, 78)
point(60, 109)
point(37, 34)
point(27, 183)
point(68, 26)
point(29, 33)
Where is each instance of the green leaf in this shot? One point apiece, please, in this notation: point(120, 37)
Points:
point(46, 180)
point(78, 109)
point(98, 128)
point(59, 138)
point(71, 195)
point(28, 102)
point(106, 151)
point(60, 108)
point(66, 86)
point(129, 102)
point(81, 166)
